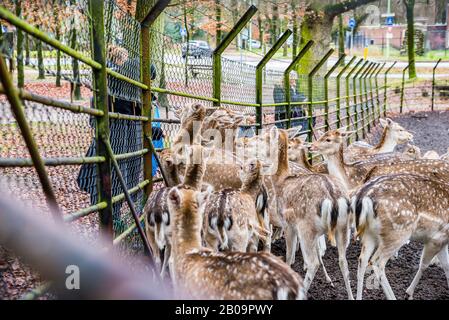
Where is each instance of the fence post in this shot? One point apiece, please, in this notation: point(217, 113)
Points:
point(342, 71)
point(326, 90)
point(373, 109)
point(364, 96)
point(377, 88)
point(259, 69)
point(433, 83)
point(348, 101)
point(403, 86)
point(386, 88)
point(287, 71)
point(310, 93)
point(356, 114)
point(104, 185)
point(216, 56)
point(145, 76)
point(363, 78)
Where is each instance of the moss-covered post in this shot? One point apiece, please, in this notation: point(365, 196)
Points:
point(20, 70)
point(365, 91)
point(259, 69)
point(56, 8)
point(310, 93)
point(348, 97)
point(386, 88)
point(75, 63)
point(433, 83)
point(221, 48)
point(370, 82)
point(338, 89)
point(356, 111)
point(287, 71)
point(376, 81)
point(403, 86)
point(145, 75)
point(326, 90)
point(104, 185)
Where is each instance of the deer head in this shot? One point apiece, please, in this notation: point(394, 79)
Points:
point(412, 151)
point(394, 132)
point(330, 142)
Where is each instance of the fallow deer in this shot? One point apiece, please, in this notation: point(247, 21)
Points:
point(390, 211)
point(392, 135)
point(158, 227)
point(313, 205)
point(203, 273)
point(432, 154)
point(353, 175)
point(235, 219)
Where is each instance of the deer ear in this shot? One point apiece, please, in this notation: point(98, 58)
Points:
point(274, 133)
point(294, 132)
point(175, 197)
point(203, 196)
point(383, 122)
point(320, 133)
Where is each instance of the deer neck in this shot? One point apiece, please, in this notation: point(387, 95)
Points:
point(387, 142)
point(187, 236)
point(252, 187)
point(303, 161)
point(172, 177)
point(337, 167)
point(282, 165)
point(194, 175)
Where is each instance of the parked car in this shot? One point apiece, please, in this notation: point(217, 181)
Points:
point(197, 49)
point(255, 44)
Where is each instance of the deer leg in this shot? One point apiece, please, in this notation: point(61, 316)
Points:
point(167, 253)
point(154, 247)
point(311, 258)
point(291, 238)
point(429, 251)
point(368, 246)
point(342, 241)
point(328, 279)
point(444, 260)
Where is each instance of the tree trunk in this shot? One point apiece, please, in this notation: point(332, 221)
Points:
point(274, 24)
point(56, 9)
point(27, 49)
point(410, 5)
point(260, 26)
point(75, 63)
point(186, 58)
point(20, 70)
point(341, 39)
point(218, 24)
point(40, 59)
point(318, 29)
point(294, 31)
point(285, 27)
point(235, 17)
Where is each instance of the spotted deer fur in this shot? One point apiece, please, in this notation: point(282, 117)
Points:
point(236, 219)
point(158, 227)
point(353, 175)
point(205, 274)
point(314, 205)
point(392, 135)
point(390, 211)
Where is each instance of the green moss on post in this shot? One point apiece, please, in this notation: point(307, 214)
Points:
point(104, 185)
point(20, 67)
point(339, 75)
point(326, 90)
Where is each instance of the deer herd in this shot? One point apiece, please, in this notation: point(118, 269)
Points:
point(227, 198)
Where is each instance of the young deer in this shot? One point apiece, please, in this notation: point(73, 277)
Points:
point(203, 273)
point(390, 211)
point(158, 227)
point(313, 205)
point(235, 219)
point(392, 135)
point(353, 175)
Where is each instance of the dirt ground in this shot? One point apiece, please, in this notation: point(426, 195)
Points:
point(431, 132)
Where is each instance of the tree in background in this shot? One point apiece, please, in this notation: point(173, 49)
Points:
point(409, 7)
point(20, 67)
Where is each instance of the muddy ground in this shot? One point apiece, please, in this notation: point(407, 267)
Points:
point(431, 132)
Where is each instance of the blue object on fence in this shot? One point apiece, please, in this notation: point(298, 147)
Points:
point(156, 143)
point(183, 32)
point(389, 21)
point(352, 23)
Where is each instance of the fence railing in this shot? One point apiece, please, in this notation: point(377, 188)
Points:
point(116, 175)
